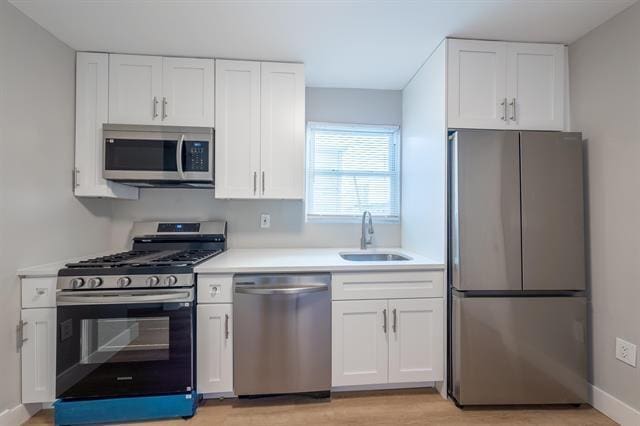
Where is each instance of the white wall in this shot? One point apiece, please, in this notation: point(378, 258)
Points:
point(40, 219)
point(424, 152)
point(605, 104)
point(288, 226)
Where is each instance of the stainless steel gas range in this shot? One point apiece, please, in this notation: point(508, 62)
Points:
point(126, 322)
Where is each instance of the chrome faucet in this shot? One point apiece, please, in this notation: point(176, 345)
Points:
point(367, 231)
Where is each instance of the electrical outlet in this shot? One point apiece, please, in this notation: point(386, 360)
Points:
point(265, 220)
point(626, 352)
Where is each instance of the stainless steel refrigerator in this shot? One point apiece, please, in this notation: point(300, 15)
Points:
point(517, 329)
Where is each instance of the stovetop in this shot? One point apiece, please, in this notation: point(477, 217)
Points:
point(140, 258)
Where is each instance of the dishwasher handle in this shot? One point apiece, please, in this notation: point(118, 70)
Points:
point(251, 288)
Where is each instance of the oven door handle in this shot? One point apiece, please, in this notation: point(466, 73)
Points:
point(179, 149)
point(114, 299)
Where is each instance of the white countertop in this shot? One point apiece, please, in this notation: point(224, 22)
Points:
point(51, 269)
point(306, 259)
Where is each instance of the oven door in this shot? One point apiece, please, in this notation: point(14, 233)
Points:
point(158, 156)
point(124, 343)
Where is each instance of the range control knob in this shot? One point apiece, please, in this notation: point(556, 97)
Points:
point(124, 282)
point(153, 281)
point(170, 280)
point(95, 282)
point(77, 283)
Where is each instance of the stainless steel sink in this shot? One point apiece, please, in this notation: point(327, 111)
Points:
point(373, 257)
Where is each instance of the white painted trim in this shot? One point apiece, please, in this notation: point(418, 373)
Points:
point(383, 386)
point(612, 407)
point(18, 414)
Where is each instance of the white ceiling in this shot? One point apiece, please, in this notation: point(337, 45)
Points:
point(359, 44)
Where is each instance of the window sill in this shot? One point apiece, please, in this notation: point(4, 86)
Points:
point(350, 219)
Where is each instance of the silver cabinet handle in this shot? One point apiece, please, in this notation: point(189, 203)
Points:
point(213, 290)
point(263, 183)
point(255, 182)
point(384, 320)
point(395, 321)
point(41, 291)
point(164, 108)
point(76, 177)
point(155, 107)
point(503, 104)
point(512, 104)
point(22, 326)
point(179, 156)
point(226, 326)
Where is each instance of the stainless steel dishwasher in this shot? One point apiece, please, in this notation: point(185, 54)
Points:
point(282, 334)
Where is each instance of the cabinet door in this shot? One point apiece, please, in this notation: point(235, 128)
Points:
point(39, 355)
point(215, 349)
point(477, 84)
point(282, 131)
point(187, 92)
point(92, 103)
point(237, 129)
point(535, 86)
point(416, 340)
point(359, 342)
point(135, 88)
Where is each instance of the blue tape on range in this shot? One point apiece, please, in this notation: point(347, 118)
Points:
point(126, 409)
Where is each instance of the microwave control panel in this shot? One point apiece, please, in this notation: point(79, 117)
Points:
point(197, 158)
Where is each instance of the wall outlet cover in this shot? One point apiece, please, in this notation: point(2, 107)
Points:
point(265, 220)
point(626, 351)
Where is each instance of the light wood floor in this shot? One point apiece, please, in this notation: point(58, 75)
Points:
point(406, 407)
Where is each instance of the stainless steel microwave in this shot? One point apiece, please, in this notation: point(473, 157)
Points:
point(164, 156)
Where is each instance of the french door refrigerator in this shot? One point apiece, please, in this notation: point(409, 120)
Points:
point(517, 329)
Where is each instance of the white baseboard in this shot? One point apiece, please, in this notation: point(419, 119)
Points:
point(612, 407)
point(384, 386)
point(18, 414)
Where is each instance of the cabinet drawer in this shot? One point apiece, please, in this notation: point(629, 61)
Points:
point(215, 288)
point(387, 285)
point(39, 292)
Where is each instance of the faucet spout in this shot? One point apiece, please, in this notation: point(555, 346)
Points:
point(367, 230)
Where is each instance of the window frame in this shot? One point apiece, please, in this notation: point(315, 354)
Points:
point(309, 147)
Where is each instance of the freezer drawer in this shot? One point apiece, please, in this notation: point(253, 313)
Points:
point(282, 334)
point(518, 350)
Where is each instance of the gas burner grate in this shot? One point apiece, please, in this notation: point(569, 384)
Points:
point(186, 257)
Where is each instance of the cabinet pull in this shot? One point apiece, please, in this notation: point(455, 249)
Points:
point(384, 320)
point(255, 182)
point(41, 291)
point(512, 104)
point(155, 107)
point(21, 338)
point(76, 180)
point(164, 108)
point(395, 321)
point(503, 104)
point(226, 326)
point(263, 183)
point(213, 290)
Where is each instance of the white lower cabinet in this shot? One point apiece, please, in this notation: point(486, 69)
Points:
point(359, 343)
point(38, 355)
point(387, 341)
point(215, 348)
point(416, 340)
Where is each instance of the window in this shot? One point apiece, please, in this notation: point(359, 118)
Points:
point(350, 169)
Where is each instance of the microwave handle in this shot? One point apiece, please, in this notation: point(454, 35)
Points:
point(179, 156)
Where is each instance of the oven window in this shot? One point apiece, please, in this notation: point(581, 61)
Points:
point(140, 154)
point(111, 340)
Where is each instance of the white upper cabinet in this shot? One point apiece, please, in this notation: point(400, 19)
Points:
point(282, 131)
point(416, 340)
point(188, 92)
point(260, 130)
point(237, 129)
point(135, 89)
point(536, 86)
point(477, 84)
point(92, 104)
point(501, 85)
point(157, 90)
